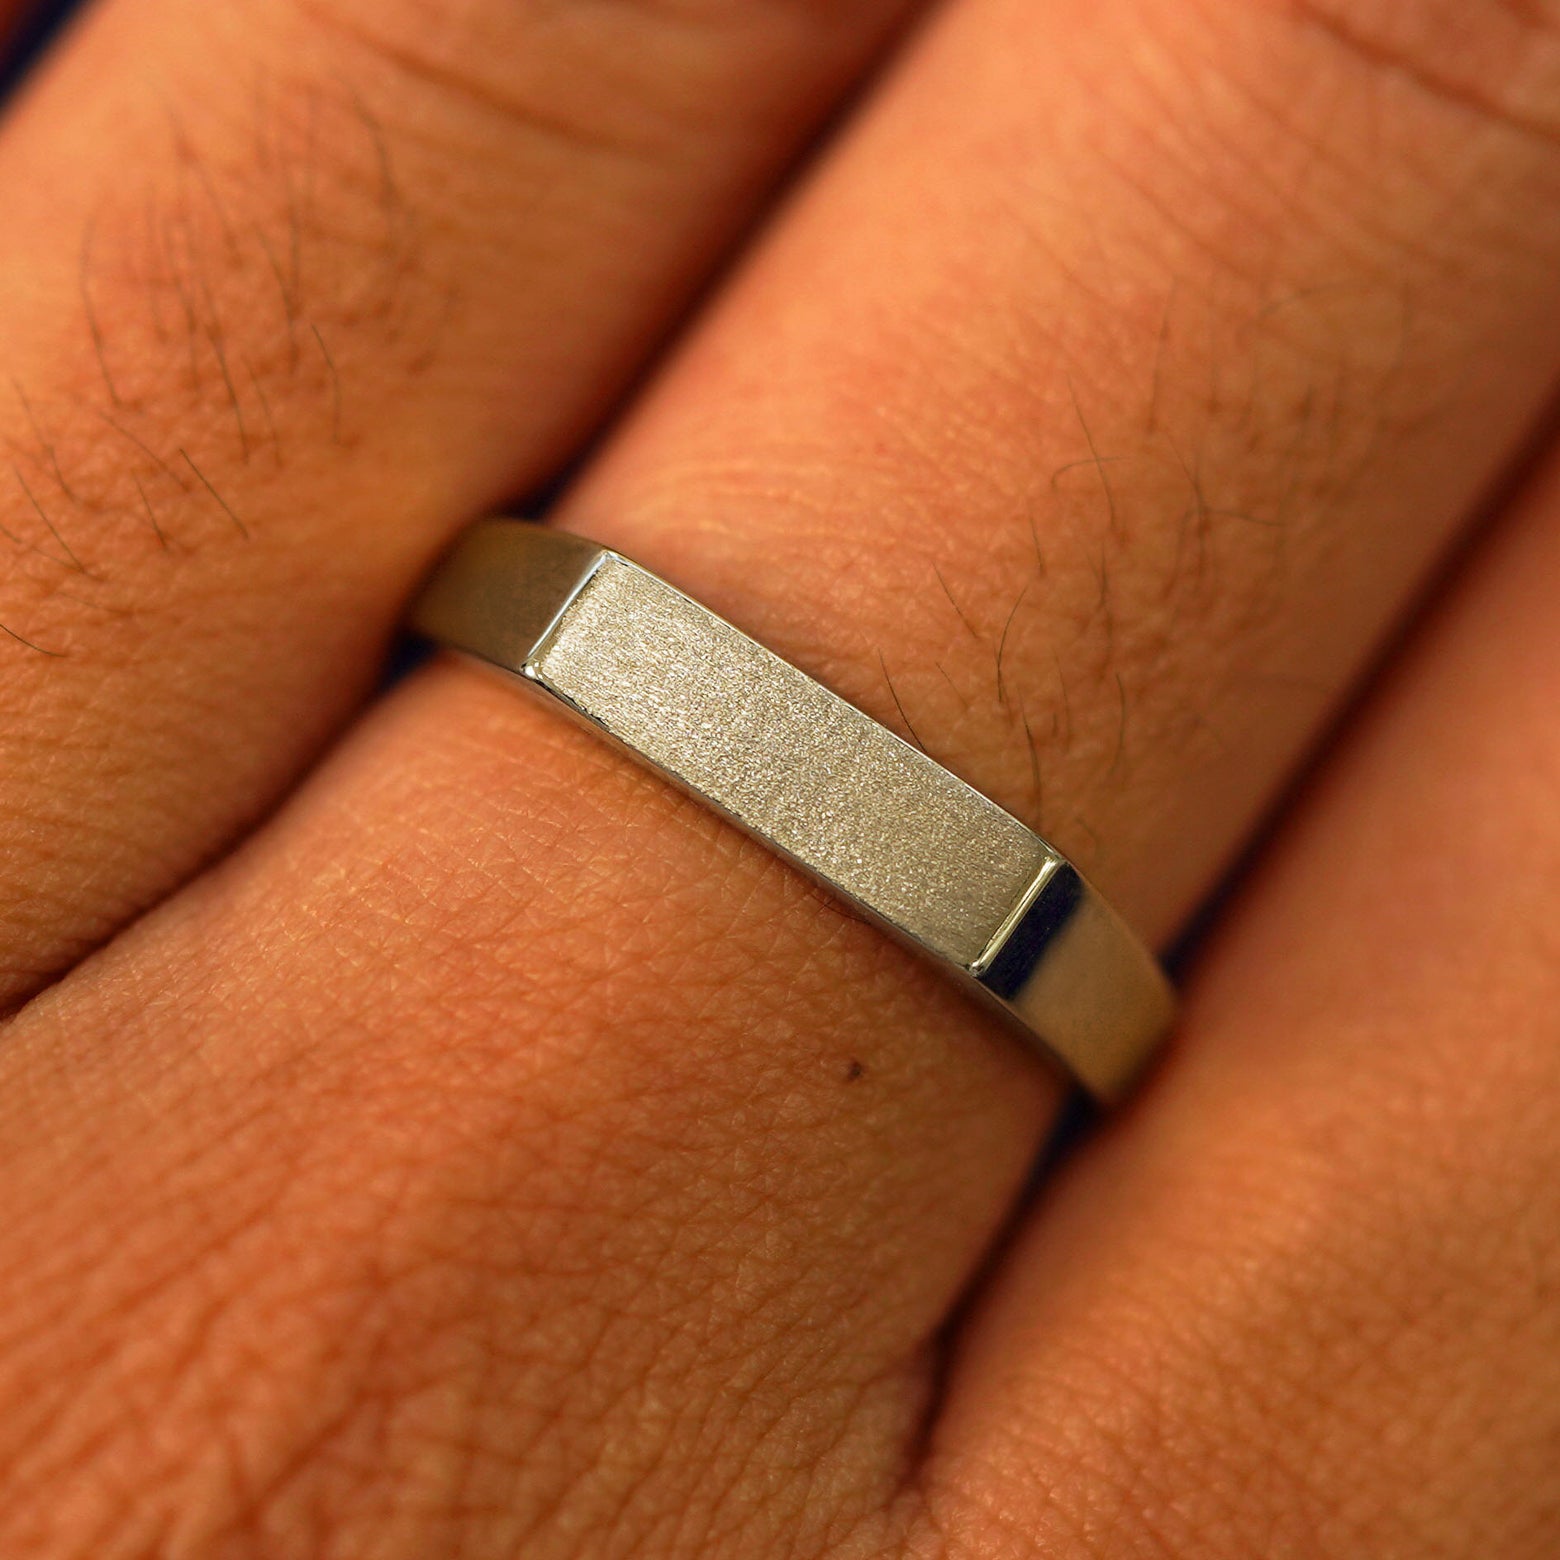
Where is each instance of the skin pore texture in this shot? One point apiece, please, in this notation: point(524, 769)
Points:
point(424, 1133)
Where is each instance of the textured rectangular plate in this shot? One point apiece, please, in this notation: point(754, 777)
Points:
point(779, 754)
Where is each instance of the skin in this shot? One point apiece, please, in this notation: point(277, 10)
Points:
point(427, 1135)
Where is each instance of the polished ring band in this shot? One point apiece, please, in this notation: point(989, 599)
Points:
point(913, 847)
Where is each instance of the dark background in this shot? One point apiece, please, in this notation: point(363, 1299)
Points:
point(39, 22)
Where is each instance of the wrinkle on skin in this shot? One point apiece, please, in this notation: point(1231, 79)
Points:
point(1495, 59)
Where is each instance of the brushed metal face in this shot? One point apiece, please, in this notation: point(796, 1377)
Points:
point(789, 760)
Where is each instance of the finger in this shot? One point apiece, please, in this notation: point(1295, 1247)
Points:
point(1302, 1302)
point(721, 1159)
point(486, 1204)
point(1106, 484)
point(288, 290)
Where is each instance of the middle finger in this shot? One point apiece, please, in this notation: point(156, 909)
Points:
point(1103, 405)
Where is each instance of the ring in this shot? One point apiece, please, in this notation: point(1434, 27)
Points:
point(910, 845)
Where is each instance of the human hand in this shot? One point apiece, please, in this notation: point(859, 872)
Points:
point(483, 1151)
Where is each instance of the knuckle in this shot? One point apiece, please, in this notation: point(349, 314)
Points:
point(1497, 59)
point(480, 60)
point(608, 81)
